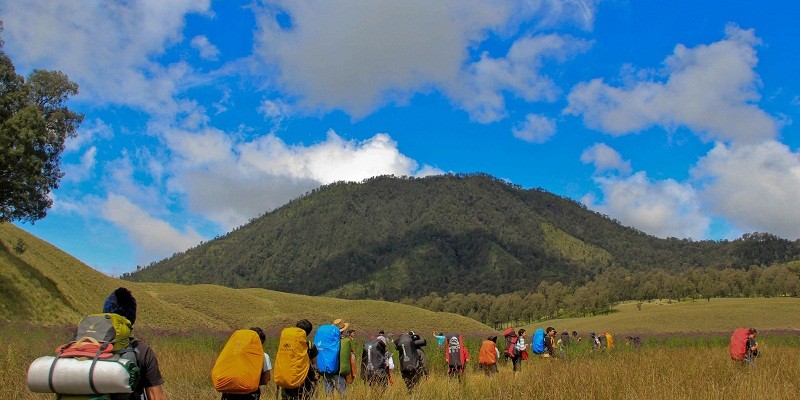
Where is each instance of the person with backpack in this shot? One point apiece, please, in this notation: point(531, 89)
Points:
point(328, 341)
point(347, 358)
point(264, 371)
point(520, 351)
point(295, 363)
point(439, 338)
point(150, 385)
point(488, 356)
point(549, 342)
point(375, 361)
point(752, 347)
point(412, 359)
point(596, 345)
point(456, 355)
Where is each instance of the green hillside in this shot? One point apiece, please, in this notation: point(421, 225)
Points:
point(717, 315)
point(44, 285)
point(391, 238)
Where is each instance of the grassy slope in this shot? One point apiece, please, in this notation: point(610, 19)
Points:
point(46, 286)
point(718, 315)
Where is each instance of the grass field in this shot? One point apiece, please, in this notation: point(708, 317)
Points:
point(46, 286)
point(717, 315)
point(687, 370)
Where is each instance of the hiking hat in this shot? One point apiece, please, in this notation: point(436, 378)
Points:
point(121, 302)
point(341, 324)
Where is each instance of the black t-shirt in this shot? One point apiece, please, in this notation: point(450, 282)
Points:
point(750, 343)
point(149, 373)
point(548, 345)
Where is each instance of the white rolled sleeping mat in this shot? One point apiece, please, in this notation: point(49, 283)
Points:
point(50, 374)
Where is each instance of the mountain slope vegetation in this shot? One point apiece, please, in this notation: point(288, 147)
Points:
point(392, 238)
point(42, 285)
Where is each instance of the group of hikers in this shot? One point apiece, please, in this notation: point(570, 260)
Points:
point(104, 358)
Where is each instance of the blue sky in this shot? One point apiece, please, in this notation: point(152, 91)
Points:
point(675, 117)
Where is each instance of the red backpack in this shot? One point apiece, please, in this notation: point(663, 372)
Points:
point(739, 343)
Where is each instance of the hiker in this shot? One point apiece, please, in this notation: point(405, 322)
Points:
point(122, 302)
point(596, 345)
point(488, 355)
point(564, 340)
point(520, 351)
point(439, 338)
point(375, 360)
point(456, 355)
point(347, 358)
point(752, 347)
point(577, 337)
point(412, 359)
point(295, 364)
point(328, 341)
point(549, 342)
point(264, 376)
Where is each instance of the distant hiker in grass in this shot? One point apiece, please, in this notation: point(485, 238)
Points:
point(375, 359)
point(456, 355)
point(122, 302)
point(488, 355)
point(549, 342)
point(520, 351)
point(295, 363)
point(577, 337)
point(329, 340)
point(439, 338)
point(348, 357)
point(596, 345)
point(266, 367)
point(752, 347)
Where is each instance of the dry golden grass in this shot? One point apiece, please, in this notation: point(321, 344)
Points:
point(46, 286)
point(718, 315)
point(652, 373)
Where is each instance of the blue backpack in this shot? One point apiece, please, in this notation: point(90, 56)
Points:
point(326, 339)
point(538, 341)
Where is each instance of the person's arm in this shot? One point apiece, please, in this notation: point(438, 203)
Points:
point(264, 378)
point(155, 393)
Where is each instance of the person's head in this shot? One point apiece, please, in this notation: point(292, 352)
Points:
point(261, 335)
point(521, 332)
point(121, 302)
point(493, 338)
point(550, 331)
point(341, 324)
point(305, 325)
point(592, 334)
point(574, 333)
point(351, 333)
point(752, 332)
point(381, 332)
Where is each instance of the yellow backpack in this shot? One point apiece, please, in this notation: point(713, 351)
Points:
point(239, 365)
point(609, 341)
point(292, 362)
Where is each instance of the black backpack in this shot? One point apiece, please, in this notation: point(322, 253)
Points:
point(454, 344)
point(373, 358)
point(407, 351)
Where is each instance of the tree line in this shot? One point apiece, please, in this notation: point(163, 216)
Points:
point(598, 296)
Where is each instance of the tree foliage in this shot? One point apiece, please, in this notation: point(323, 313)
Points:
point(34, 124)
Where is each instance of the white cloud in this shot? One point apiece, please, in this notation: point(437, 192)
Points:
point(755, 186)
point(661, 208)
point(481, 88)
point(88, 133)
point(83, 170)
point(358, 55)
point(108, 48)
point(154, 238)
point(535, 129)
point(275, 110)
point(253, 177)
point(205, 48)
point(710, 89)
point(605, 158)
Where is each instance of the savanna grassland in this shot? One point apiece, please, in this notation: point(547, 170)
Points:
point(661, 369)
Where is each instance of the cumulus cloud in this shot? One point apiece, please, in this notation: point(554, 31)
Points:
point(482, 87)
point(535, 129)
point(605, 158)
point(358, 55)
point(256, 176)
point(108, 48)
point(662, 208)
point(710, 89)
point(205, 48)
point(755, 186)
point(154, 237)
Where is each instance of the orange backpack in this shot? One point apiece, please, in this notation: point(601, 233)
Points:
point(292, 362)
point(488, 354)
point(239, 365)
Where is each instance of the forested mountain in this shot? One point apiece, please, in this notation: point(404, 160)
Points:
point(393, 238)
